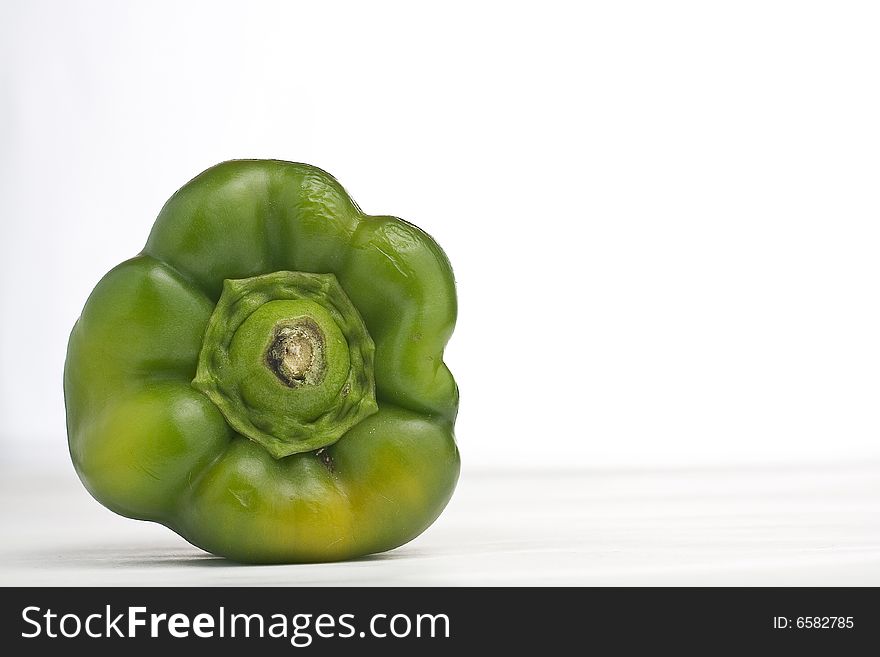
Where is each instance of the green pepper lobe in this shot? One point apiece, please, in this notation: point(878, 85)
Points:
point(266, 378)
point(288, 361)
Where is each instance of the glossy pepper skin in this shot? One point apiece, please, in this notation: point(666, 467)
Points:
point(266, 377)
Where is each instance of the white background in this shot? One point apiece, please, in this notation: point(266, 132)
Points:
point(677, 201)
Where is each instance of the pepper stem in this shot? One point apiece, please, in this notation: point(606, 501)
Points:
point(288, 361)
point(296, 353)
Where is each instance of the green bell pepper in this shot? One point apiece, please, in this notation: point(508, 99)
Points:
point(266, 377)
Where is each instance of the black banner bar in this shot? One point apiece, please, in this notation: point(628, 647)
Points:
point(435, 621)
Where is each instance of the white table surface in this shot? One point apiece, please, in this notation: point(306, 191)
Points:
point(689, 526)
